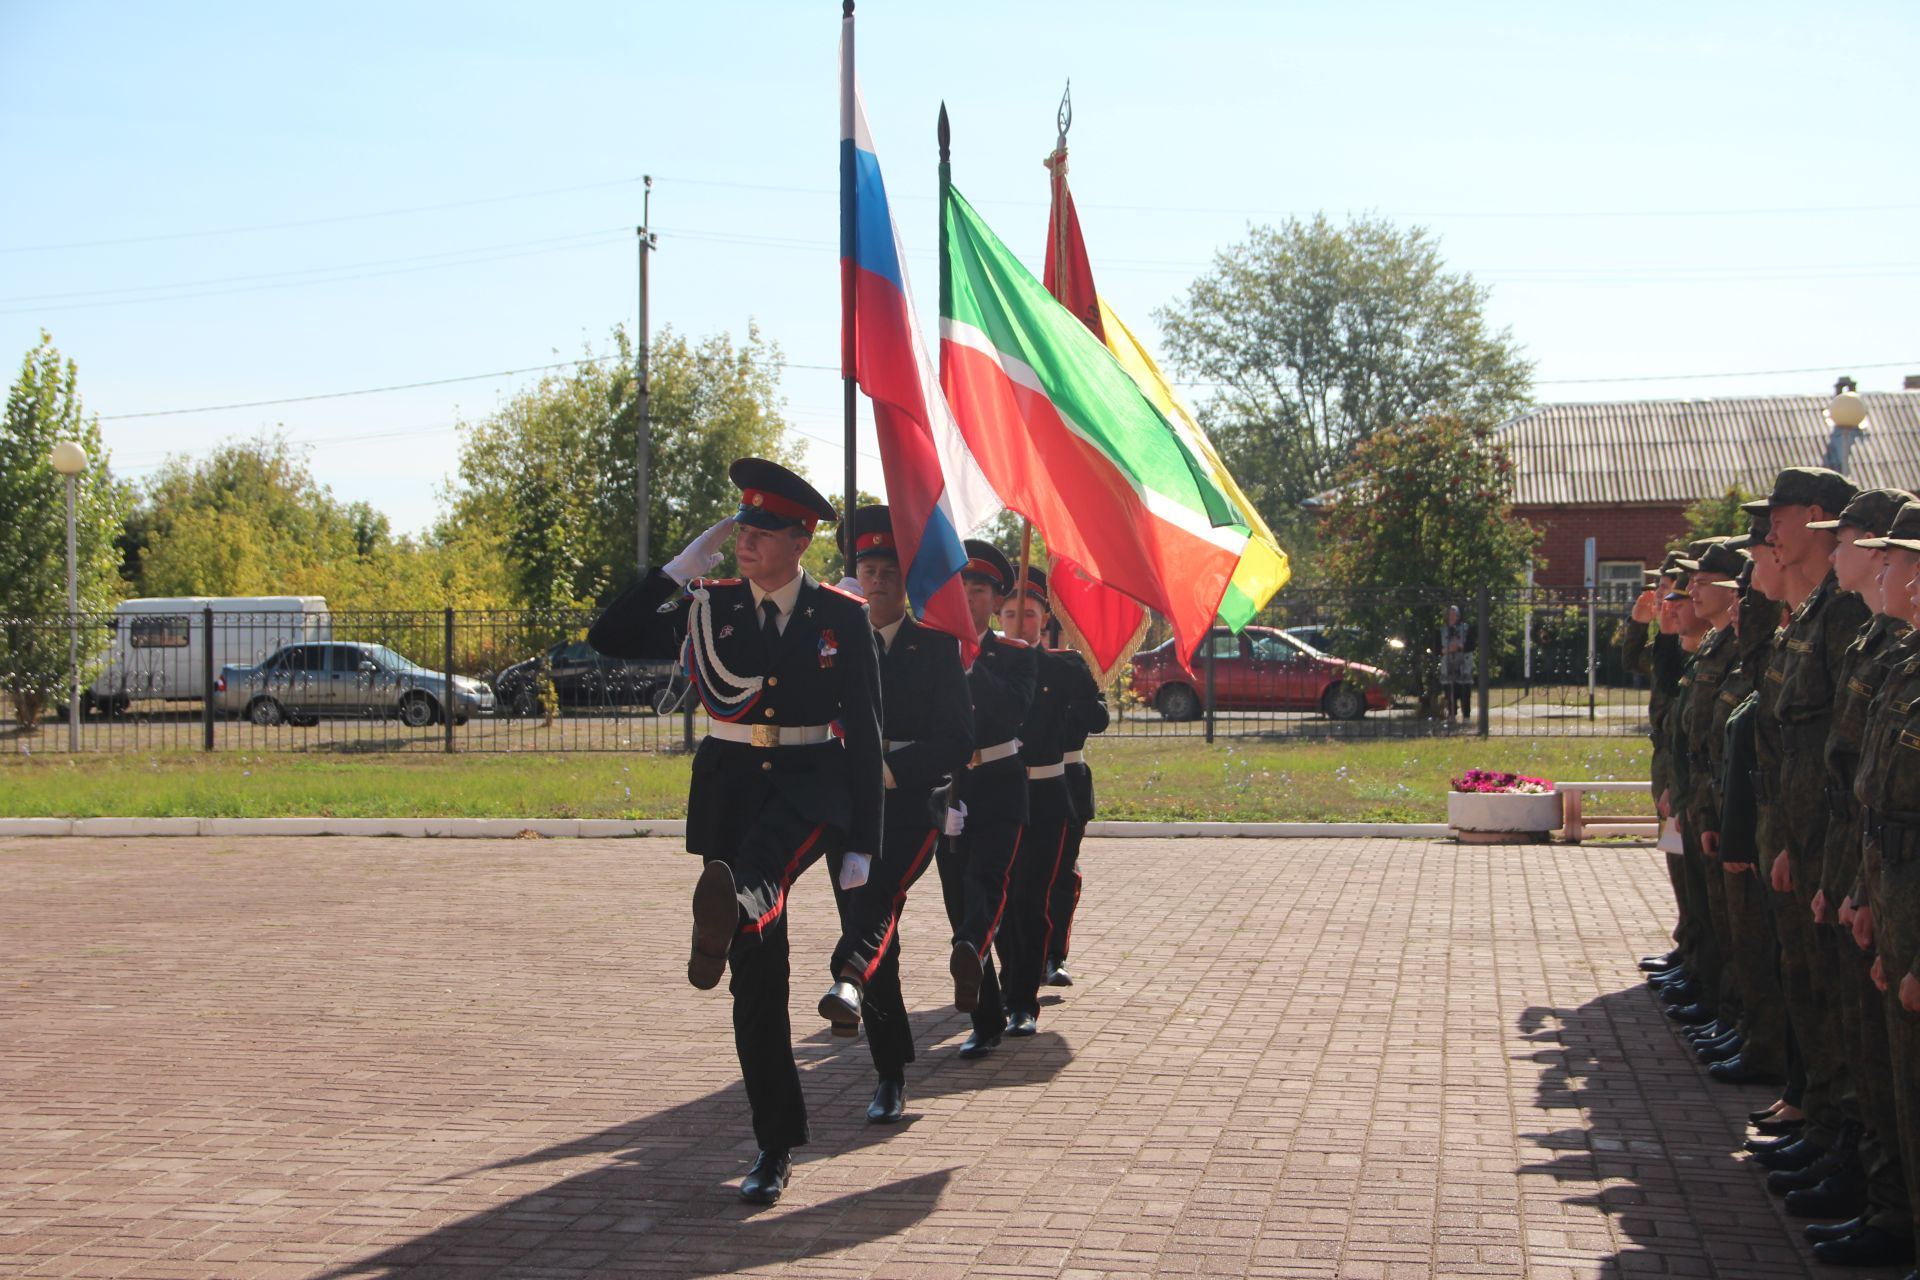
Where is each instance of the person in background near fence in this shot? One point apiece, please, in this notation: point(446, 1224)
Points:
point(1675, 985)
point(1065, 701)
point(790, 770)
point(977, 860)
point(1456, 664)
point(928, 737)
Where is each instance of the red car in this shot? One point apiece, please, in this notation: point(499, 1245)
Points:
point(1260, 669)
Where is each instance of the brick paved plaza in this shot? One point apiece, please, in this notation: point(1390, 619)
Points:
point(340, 1057)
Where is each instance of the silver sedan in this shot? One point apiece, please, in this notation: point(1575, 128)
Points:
point(302, 683)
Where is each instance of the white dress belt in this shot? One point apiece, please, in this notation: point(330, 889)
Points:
point(998, 751)
point(771, 735)
point(1074, 757)
point(1037, 771)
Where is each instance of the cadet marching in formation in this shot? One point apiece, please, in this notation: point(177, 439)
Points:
point(843, 730)
point(1785, 715)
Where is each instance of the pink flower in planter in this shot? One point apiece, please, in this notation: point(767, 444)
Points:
point(1490, 782)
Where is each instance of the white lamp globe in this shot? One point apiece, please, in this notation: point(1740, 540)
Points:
point(1847, 410)
point(68, 458)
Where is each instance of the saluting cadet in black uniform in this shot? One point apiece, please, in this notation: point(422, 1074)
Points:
point(989, 801)
point(789, 772)
point(928, 737)
point(1056, 711)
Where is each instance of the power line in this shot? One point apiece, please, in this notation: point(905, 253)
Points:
point(363, 391)
point(316, 222)
point(1746, 373)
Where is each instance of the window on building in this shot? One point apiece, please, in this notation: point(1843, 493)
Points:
point(1620, 581)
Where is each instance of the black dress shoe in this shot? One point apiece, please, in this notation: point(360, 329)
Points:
point(1660, 977)
point(1690, 1015)
point(841, 1007)
point(768, 1177)
point(978, 1046)
point(1673, 993)
point(1765, 1113)
point(1657, 964)
point(1781, 1143)
point(1839, 1195)
point(1779, 1128)
point(1786, 1181)
point(1718, 1052)
point(1790, 1157)
point(1737, 1071)
point(889, 1102)
point(1022, 1023)
point(967, 972)
point(716, 914)
point(1057, 975)
point(1818, 1231)
point(1713, 1031)
point(1867, 1247)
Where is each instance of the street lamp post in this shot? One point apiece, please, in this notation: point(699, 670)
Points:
point(1847, 411)
point(69, 459)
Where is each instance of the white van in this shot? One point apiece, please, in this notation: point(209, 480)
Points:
point(158, 648)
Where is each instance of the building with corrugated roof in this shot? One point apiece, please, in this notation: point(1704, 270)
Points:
point(1624, 473)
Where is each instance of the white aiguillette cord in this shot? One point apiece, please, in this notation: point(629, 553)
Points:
point(701, 624)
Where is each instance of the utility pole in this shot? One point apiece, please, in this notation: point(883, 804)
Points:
point(643, 440)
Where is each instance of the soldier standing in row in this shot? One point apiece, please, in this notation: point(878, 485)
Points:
point(789, 772)
point(1064, 898)
point(928, 737)
point(989, 802)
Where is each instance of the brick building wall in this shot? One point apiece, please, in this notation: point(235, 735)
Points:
point(1640, 533)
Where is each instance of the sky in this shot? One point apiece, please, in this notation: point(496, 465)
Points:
point(216, 204)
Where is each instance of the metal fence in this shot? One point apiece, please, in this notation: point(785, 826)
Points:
point(1315, 664)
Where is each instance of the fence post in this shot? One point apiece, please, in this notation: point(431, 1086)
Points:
point(1209, 660)
point(447, 704)
point(206, 678)
point(1484, 653)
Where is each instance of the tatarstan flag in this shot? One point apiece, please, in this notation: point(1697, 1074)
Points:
point(1068, 440)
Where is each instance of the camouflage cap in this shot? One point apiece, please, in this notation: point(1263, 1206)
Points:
point(1904, 532)
point(1871, 509)
point(1806, 487)
point(1758, 528)
point(1720, 565)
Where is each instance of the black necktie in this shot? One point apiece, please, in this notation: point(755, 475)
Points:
point(770, 617)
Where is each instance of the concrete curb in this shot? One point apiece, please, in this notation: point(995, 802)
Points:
point(606, 828)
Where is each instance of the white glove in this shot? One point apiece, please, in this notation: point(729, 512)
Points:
point(701, 554)
point(853, 870)
point(956, 818)
point(851, 586)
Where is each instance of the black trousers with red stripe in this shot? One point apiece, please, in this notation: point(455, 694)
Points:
point(976, 875)
point(771, 850)
point(870, 942)
point(1025, 936)
point(1064, 898)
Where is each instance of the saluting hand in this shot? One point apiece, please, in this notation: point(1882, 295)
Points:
point(1645, 608)
point(701, 554)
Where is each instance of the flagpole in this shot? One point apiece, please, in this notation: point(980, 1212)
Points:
point(850, 379)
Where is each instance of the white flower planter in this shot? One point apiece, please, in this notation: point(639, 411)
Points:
point(1503, 818)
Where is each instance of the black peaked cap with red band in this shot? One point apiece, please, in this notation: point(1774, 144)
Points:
point(872, 531)
point(985, 562)
point(1037, 585)
point(772, 497)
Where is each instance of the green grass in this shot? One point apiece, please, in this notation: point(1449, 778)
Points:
point(1391, 781)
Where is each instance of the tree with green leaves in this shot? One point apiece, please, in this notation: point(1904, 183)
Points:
point(1720, 516)
point(1421, 518)
point(1316, 337)
point(552, 470)
point(44, 408)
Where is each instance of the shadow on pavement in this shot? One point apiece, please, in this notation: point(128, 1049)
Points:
point(660, 1199)
point(1656, 1142)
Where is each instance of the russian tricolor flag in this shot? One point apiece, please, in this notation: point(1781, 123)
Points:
point(935, 489)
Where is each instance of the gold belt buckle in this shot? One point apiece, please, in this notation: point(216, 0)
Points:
point(766, 735)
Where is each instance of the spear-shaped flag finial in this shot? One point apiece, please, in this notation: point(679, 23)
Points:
point(946, 134)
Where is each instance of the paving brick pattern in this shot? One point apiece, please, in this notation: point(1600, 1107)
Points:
point(438, 1058)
